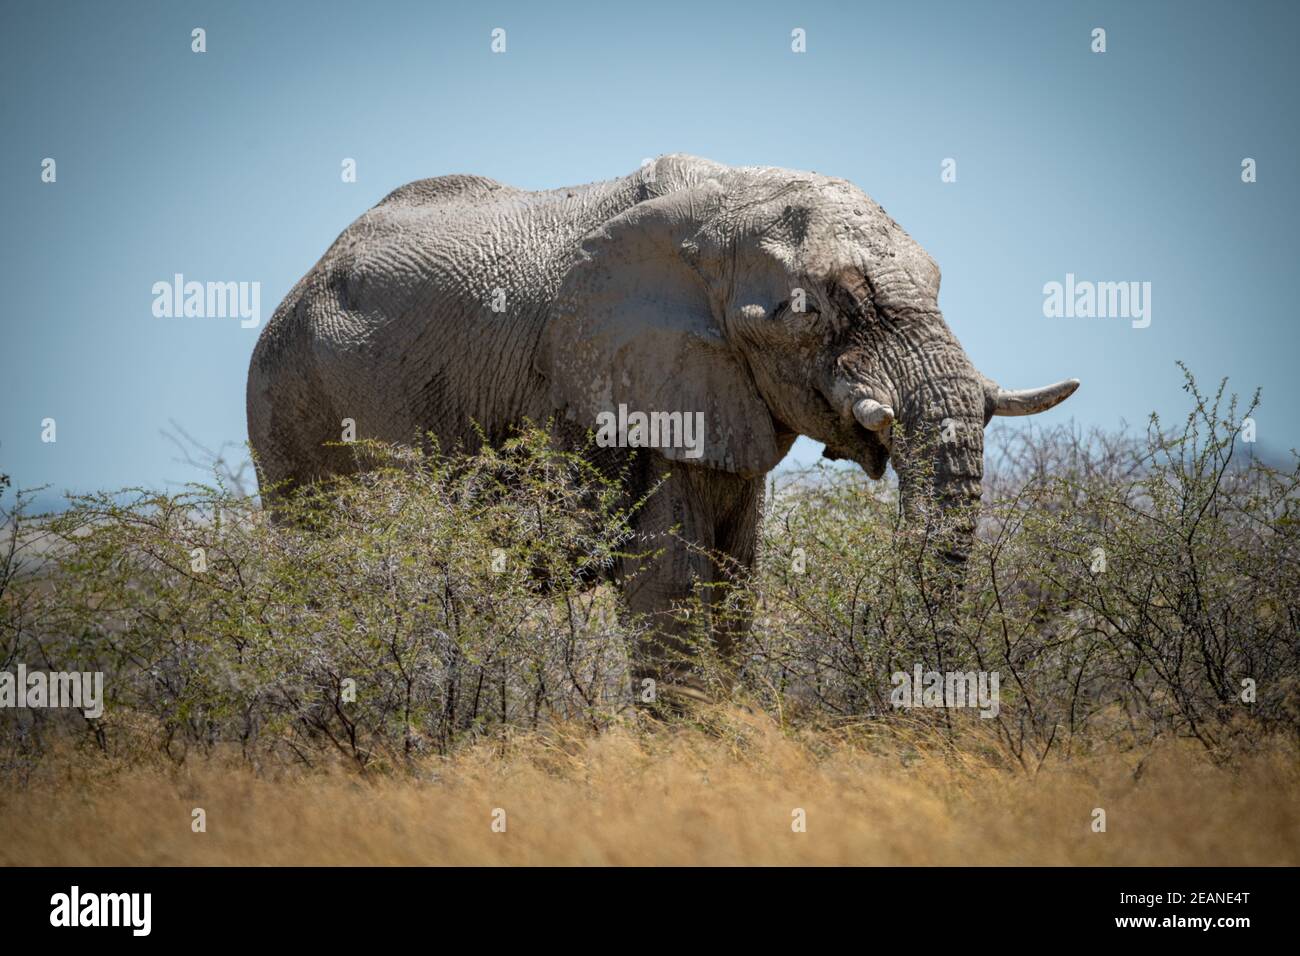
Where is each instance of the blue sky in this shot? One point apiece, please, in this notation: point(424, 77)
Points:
point(225, 166)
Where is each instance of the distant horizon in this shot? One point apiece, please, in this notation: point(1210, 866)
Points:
point(53, 501)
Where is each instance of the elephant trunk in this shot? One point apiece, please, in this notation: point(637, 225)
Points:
point(940, 494)
point(909, 384)
point(938, 450)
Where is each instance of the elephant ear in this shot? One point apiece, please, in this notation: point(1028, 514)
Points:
point(637, 323)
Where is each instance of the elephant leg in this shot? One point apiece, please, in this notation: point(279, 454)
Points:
point(715, 517)
point(736, 535)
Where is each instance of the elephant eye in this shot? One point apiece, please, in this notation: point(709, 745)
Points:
point(809, 308)
point(855, 302)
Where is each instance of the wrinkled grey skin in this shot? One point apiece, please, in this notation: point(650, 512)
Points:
point(667, 290)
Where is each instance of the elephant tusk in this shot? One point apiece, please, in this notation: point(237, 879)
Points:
point(1029, 401)
point(872, 415)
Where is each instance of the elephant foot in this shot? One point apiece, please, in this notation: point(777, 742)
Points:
point(676, 696)
point(685, 696)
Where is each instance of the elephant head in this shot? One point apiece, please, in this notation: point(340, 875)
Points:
point(779, 304)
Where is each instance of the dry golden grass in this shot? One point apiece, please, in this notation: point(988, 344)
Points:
point(682, 795)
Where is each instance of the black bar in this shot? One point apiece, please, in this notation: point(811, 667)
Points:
point(928, 907)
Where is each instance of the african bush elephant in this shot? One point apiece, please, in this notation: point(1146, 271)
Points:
point(770, 302)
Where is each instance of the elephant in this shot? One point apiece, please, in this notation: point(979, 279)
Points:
point(761, 302)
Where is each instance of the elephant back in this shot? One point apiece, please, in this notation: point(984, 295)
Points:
point(441, 188)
